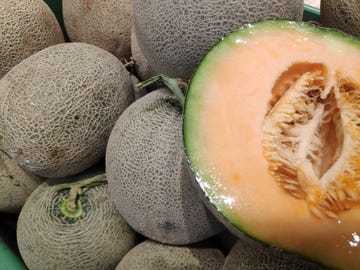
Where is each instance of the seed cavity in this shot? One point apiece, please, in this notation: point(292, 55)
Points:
point(311, 138)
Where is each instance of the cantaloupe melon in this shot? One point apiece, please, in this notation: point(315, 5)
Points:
point(174, 35)
point(150, 255)
point(148, 175)
point(73, 224)
point(271, 131)
point(27, 27)
point(16, 185)
point(341, 14)
point(59, 106)
point(105, 24)
point(249, 254)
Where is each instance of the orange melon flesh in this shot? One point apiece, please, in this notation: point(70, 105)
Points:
point(226, 104)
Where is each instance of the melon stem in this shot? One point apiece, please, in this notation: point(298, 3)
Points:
point(72, 206)
point(175, 85)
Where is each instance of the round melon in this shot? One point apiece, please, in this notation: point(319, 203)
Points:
point(249, 254)
point(148, 175)
point(174, 35)
point(341, 14)
point(150, 255)
point(27, 27)
point(16, 185)
point(271, 132)
point(91, 235)
point(59, 106)
point(105, 24)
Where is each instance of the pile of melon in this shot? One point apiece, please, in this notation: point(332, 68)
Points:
point(179, 135)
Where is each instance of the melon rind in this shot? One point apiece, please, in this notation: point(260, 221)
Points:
point(47, 239)
point(27, 27)
point(67, 99)
point(175, 35)
point(148, 175)
point(150, 255)
point(209, 184)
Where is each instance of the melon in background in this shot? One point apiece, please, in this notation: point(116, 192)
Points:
point(105, 24)
point(72, 224)
point(341, 14)
point(26, 27)
point(16, 185)
point(249, 254)
point(59, 107)
point(148, 175)
point(174, 35)
point(150, 255)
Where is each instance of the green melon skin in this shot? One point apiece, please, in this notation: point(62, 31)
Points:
point(59, 106)
point(341, 14)
point(48, 239)
point(105, 24)
point(27, 26)
point(148, 174)
point(249, 254)
point(150, 255)
point(174, 35)
point(16, 185)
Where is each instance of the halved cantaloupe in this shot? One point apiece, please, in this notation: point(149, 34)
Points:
point(271, 131)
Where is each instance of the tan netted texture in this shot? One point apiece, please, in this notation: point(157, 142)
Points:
point(59, 108)
point(16, 185)
point(311, 141)
point(148, 175)
point(249, 254)
point(150, 255)
point(174, 35)
point(27, 26)
point(341, 14)
point(47, 240)
point(105, 24)
point(143, 69)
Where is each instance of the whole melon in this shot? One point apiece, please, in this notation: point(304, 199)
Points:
point(150, 255)
point(59, 106)
point(16, 185)
point(90, 236)
point(105, 24)
point(174, 35)
point(249, 254)
point(26, 27)
point(341, 14)
point(148, 175)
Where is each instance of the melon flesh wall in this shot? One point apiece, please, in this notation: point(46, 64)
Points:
point(271, 131)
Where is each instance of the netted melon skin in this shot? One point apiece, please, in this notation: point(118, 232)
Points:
point(341, 14)
point(142, 67)
point(150, 255)
point(59, 106)
point(249, 254)
point(16, 185)
point(105, 24)
point(48, 241)
point(148, 175)
point(27, 27)
point(174, 35)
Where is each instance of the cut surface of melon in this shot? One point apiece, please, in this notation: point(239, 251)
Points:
point(271, 131)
